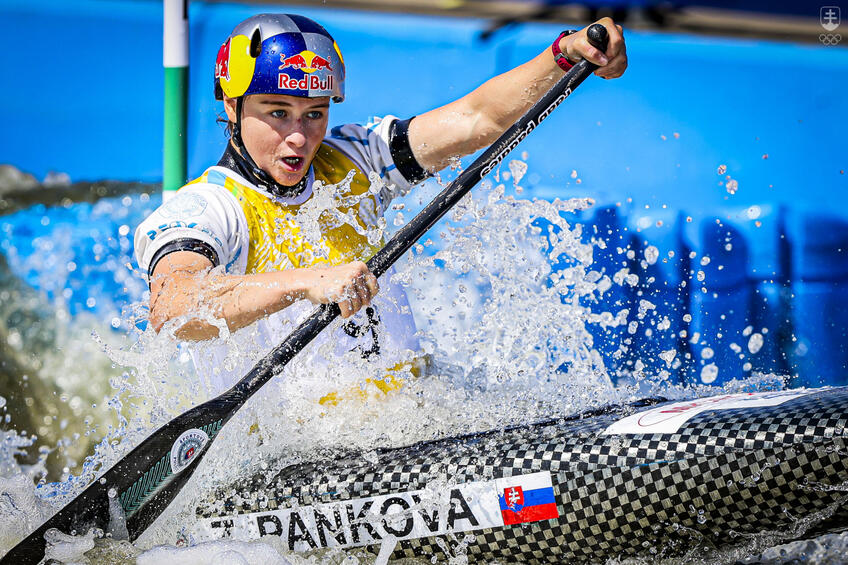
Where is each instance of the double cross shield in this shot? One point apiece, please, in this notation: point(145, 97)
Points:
point(830, 17)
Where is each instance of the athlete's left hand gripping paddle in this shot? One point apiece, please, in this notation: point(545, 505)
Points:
point(145, 481)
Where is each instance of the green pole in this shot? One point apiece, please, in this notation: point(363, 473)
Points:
point(175, 60)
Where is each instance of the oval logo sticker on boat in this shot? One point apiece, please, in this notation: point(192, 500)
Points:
point(187, 447)
point(668, 418)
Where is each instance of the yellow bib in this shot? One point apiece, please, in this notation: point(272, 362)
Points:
point(281, 239)
point(279, 234)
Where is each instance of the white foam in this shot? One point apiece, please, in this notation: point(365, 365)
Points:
point(214, 553)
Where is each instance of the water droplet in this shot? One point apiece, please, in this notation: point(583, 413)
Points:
point(732, 186)
point(651, 254)
point(755, 343)
point(518, 169)
point(709, 373)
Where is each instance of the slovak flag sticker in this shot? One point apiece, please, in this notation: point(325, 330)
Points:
point(527, 498)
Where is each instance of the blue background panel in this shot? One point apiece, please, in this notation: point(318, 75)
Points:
point(93, 108)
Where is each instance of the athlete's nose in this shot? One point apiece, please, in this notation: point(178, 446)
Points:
point(296, 138)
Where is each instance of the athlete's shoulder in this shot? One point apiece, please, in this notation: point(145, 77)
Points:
point(200, 211)
point(374, 131)
point(376, 147)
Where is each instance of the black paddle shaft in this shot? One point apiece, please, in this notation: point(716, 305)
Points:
point(144, 482)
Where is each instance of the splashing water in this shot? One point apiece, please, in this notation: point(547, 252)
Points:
point(330, 207)
point(508, 335)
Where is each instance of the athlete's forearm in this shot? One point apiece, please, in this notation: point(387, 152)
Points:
point(204, 297)
point(500, 101)
point(185, 287)
point(477, 119)
point(480, 117)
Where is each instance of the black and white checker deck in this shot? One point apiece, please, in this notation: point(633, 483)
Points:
point(722, 476)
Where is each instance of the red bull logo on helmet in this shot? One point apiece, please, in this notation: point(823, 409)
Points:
point(309, 82)
point(222, 62)
point(306, 61)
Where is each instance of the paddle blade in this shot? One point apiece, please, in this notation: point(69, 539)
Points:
point(142, 484)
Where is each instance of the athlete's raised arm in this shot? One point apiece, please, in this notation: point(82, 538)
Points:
point(477, 119)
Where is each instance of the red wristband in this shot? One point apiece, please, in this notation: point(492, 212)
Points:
point(559, 57)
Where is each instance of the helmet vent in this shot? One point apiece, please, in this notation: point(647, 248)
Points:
point(256, 43)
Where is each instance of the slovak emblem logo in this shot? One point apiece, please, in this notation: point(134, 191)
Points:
point(830, 17)
point(186, 448)
point(514, 498)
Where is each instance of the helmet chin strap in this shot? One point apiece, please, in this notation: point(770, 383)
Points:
point(261, 177)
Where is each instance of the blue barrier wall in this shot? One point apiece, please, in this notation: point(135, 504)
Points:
point(84, 81)
point(83, 93)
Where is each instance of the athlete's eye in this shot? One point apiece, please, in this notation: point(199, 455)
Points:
point(315, 115)
point(278, 114)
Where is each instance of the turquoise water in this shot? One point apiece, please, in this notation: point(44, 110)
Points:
point(80, 255)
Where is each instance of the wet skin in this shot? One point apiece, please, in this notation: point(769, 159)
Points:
point(282, 133)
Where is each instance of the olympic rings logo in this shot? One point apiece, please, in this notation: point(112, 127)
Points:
point(830, 38)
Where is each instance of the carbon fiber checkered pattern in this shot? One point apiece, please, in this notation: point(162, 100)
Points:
point(724, 475)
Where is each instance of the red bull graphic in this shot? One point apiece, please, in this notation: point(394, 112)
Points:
point(309, 82)
point(306, 61)
point(319, 62)
point(222, 63)
point(296, 61)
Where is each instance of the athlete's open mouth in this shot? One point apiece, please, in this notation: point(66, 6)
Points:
point(293, 163)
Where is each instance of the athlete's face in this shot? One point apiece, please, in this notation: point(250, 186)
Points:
point(282, 133)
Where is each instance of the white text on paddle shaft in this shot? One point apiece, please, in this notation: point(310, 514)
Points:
point(365, 521)
point(531, 125)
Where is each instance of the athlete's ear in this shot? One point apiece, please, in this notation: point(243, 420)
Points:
point(230, 108)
